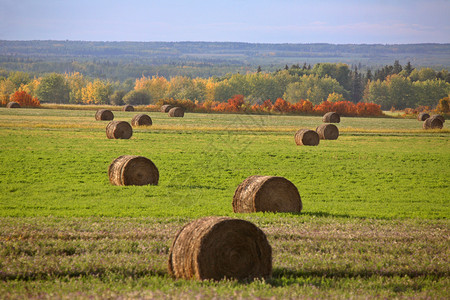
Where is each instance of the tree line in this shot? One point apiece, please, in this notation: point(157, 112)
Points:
point(391, 86)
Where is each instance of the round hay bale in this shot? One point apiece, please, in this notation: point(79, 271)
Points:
point(266, 194)
point(119, 130)
point(331, 117)
point(440, 117)
point(13, 105)
point(133, 170)
point(166, 107)
point(327, 131)
point(141, 120)
point(307, 137)
point(104, 115)
point(423, 116)
point(128, 108)
point(220, 247)
point(176, 112)
point(433, 123)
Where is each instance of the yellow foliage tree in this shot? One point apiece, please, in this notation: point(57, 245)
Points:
point(96, 92)
point(156, 86)
point(76, 83)
point(335, 97)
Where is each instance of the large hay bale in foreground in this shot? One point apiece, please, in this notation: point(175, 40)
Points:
point(176, 112)
point(133, 170)
point(13, 105)
point(433, 123)
point(423, 116)
point(266, 194)
point(331, 117)
point(440, 117)
point(119, 130)
point(220, 247)
point(307, 137)
point(104, 115)
point(141, 120)
point(166, 107)
point(128, 108)
point(327, 131)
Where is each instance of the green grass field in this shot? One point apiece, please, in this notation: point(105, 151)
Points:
point(374, 224)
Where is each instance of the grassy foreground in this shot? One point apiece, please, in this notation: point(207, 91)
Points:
point(374, 223)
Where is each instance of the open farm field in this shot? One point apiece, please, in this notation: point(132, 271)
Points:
point(374, 224)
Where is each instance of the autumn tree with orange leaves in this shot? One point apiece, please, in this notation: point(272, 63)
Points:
point(24, 99)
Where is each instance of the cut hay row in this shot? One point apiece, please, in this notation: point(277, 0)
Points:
point(220, 247)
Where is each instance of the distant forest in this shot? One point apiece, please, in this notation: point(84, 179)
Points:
point(131, 60)
point(213, 73)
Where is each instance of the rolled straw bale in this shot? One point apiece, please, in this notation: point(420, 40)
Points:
point(176, 112)
point(440, 117)
point(307, 137)
point(13, 105)
point(166, 107)
point(104, 115)
point(327, 131)
point(433, 123)
point(128, 108)
point(141, 120)
point(266, 194)
point(331, 117)
point(220, 247)
point(133, 170)
point(119, 130)
point(423, 116)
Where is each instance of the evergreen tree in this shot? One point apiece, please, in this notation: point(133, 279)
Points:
point(369, 75)
point(408, 68)
point(397, 67)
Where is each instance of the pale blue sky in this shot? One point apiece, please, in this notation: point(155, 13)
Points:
point(255, 21)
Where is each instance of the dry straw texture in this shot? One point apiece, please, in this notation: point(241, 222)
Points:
point(13, 105)
point(141, 120)
point(440, 117)
point(166, 107)
point(119, 130)
point(331, 117)
point(307, 137)
point(433, 123)
point(423, 116)
point(327, 131)
point(220, 247)
point(104, 115)
point(176, 112)
point(266, 194)
point(128, 108)
point(133, 170)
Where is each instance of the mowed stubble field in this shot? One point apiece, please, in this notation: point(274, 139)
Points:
point(374, 223)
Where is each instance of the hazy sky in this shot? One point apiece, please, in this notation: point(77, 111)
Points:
point(255, 21)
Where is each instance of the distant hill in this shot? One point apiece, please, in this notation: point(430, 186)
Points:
point(122, 60)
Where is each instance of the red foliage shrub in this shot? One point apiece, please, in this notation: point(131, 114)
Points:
point(24, 99)
point(237, 104)
point(281, 106)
